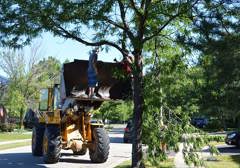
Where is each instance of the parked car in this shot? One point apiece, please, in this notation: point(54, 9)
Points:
point(128, 132)
point(233, 138)
point(199, 122)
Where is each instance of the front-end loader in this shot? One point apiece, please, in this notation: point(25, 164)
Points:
point(64, 120)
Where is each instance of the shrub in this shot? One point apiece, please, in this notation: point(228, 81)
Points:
point(7, 127)
point(217, 138)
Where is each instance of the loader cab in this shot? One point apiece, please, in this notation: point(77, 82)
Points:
point(49, 105)
point(49, 99)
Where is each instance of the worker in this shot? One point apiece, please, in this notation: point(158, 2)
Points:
point(126, 63)
point(92, 73)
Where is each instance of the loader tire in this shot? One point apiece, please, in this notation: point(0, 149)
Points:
point(238, 143)
point(52, 144)
point(100, 148)
point(37, 139)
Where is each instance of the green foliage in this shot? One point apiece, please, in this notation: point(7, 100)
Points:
point(217, 138)
point(51, 71)
point(26, 78)
point(15, 102)
point(172, 94)
point(130, 25)
point(222, 71)
point(213, 150)
point(216, 36)
point(119, 111)
point(9, 127)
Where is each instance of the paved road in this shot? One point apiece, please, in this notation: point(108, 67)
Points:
point(22, 157)
point(225, 150)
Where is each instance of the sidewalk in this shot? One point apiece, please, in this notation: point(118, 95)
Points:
point(179, 159)
point(15, 141)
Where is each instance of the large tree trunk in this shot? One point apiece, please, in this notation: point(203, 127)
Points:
point(21, 118)
point(137, 115)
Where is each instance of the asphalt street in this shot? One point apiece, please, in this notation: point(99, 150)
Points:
point(22, 157)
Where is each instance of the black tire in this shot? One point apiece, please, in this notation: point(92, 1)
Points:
point(81, 152)
point(125, 140)
point(52, 144)
point(100, 149)
point(37, 139)
point(238, 143)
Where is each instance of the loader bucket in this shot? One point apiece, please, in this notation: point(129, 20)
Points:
point(109, 84)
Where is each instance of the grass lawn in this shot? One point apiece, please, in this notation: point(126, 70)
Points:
point(8, 136)
point(225, 162)
point(126, 164)
point(14, 145)
point(165, 164)
point(216, 143)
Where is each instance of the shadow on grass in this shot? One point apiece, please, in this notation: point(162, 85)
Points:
point(229, 149)
point(236, 159)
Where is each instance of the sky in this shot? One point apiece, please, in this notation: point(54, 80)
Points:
point(69, 49)
point(63, 49)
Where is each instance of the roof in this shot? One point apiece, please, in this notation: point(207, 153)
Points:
point(3, 80)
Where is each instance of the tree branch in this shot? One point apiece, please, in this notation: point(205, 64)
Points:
point(123, 17)
point(160, 29)
point(167, 22)
point(114, 24)
point(135, 8)
point(63, 32)
point(143, 18)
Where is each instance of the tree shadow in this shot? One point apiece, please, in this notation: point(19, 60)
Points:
point(18, 160)
point(77, 160)
point(236, 158)
point(229, 149)
point(233, 150)
point(116, 139)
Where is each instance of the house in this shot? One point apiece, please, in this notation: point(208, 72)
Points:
point(3, 81)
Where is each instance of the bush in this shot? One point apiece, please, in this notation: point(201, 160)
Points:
point(217, 138)
point(7, 127)
point(214, 125)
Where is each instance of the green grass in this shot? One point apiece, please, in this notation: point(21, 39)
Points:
point(126, 164)
point(165, 164)
point(8, 136)
point(225, 162)
point(216, 143)
point(14, 145)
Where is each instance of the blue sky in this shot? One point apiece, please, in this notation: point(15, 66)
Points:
point(69, 49)
point(64, 49)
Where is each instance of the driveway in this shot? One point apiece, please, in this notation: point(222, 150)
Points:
point(226, 150)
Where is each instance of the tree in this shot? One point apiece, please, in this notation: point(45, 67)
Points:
point(50, 74)
point(171, 91)
point(21, 73)
point(27, 75)
point(220, 63)
point(132, 23)
point(217, 41)
point(129, 25)
point(119, 111)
